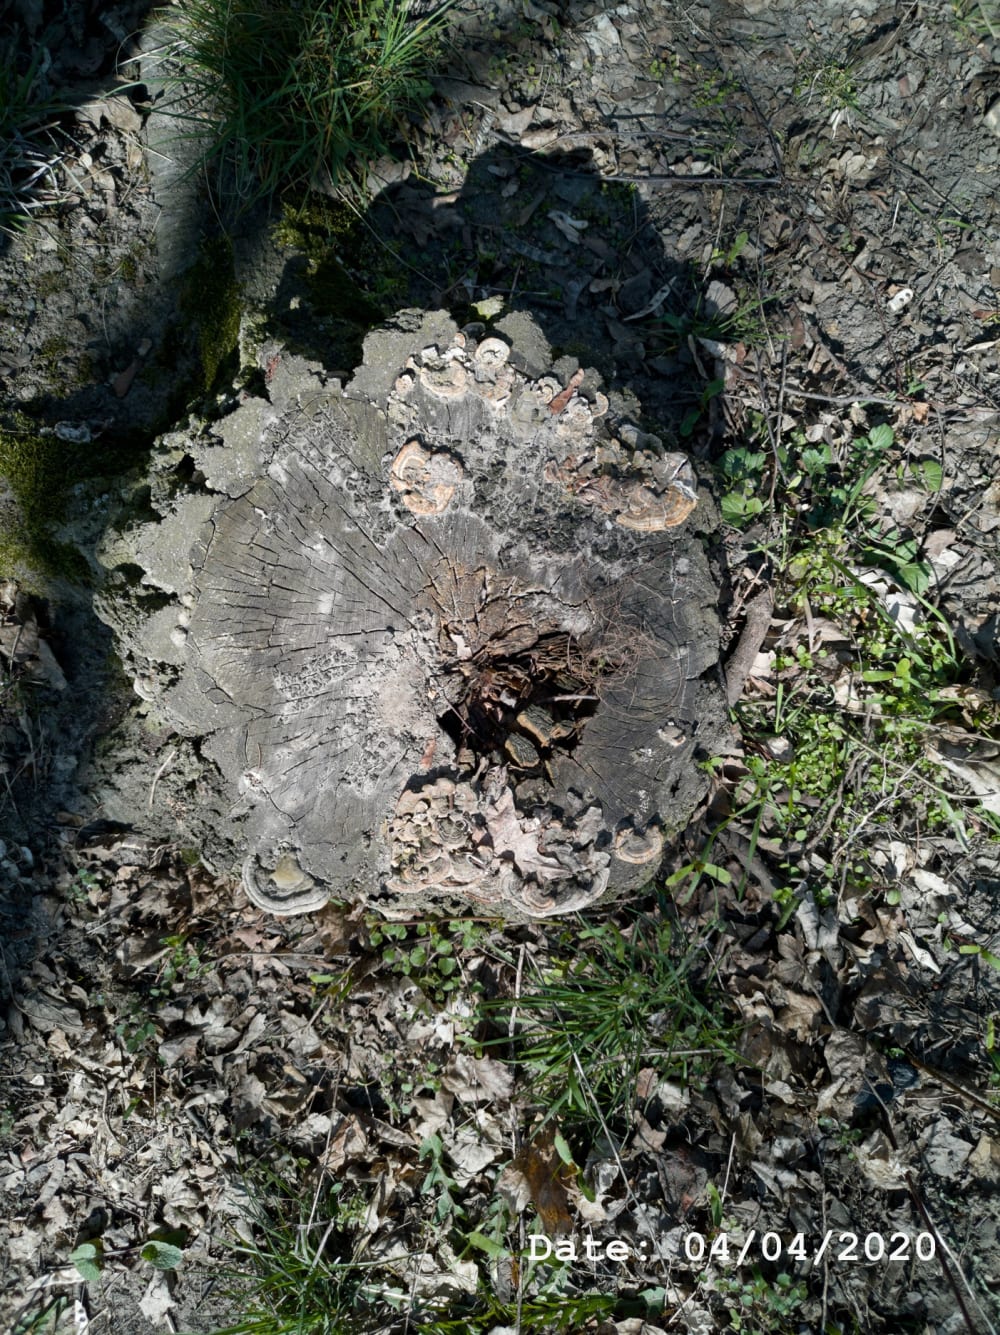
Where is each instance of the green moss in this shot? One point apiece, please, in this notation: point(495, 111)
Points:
point(347, 281)
point(49, 283)
point(332, 291)
point(17, 561)
point(52, 350)
point(312, 226)
point(578, 348)
point(129, 264)
point(210, 300)
point(39, 470)
point(36, 469)
point(86, 371)
point(326, 233)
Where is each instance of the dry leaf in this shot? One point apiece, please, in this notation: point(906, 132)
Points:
point(157, 1302)
point(546, 1179)
point(477, 1079)
point(800, 1015)
point(881, 1164)
point(569, 227)
point(474, 1147)
point(943, 1152)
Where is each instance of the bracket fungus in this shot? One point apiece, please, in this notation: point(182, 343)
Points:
point(443, 634)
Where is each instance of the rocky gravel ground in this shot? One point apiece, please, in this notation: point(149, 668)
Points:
point(774, 227)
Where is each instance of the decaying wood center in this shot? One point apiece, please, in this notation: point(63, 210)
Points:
point(446, 635)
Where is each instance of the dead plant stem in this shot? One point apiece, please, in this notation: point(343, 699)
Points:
point(984, 1105)
point(943, 1251)
point(171, 755)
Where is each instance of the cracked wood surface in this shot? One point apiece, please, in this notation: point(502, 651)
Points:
point(376, 594)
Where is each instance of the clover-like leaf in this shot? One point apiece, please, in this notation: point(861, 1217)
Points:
point(162, 1255)
point(89, 1259)
point(733, 507)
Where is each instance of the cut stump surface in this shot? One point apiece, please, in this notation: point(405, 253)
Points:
point(446, 635)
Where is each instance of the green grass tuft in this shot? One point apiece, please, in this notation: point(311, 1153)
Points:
point(609, 1003)
point(28, 152)
point(300, 1275)
point(303, 92)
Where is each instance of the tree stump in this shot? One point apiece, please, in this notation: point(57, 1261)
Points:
point(445, 634)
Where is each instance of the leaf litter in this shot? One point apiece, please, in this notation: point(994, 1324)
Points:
point(160, 1034)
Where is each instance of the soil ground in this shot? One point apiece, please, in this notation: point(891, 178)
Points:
point(774, 226)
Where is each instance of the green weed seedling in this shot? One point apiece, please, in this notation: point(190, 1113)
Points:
point(694, 415)
point(428, 952)
point(44, 1317)
point(712, 88)
point(805, 478)
point(726, 257)
point(977, 20)
point(137, 1034)
point(762, 1306)
point(742, 471)
point(744, 324)
point(853, 721)
point(182, 965)
point(82, 884)
point(163, 1250)
point(833, 84)
point(981, 953)
point(439, 1183)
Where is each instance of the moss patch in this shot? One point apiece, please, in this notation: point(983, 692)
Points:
point(343, 294)
point(312, 226)
point(210, 300)
point(39, 470)
point(328, 236)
